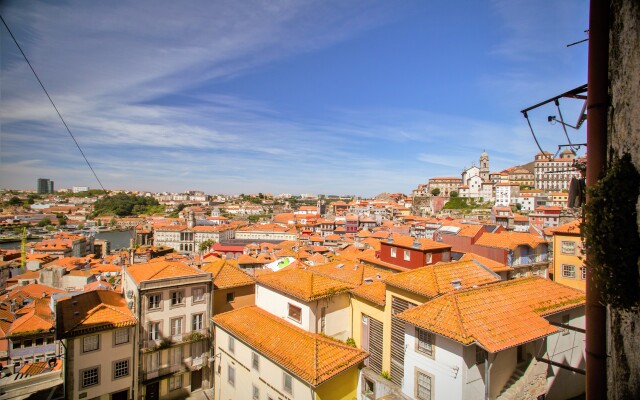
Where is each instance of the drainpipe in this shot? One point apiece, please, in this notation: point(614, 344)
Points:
point(597, 107)
point(487, 377)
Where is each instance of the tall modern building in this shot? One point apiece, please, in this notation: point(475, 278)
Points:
point(45, 186)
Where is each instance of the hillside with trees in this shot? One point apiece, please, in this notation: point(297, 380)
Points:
point(124, 205)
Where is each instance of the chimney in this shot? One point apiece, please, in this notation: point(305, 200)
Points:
point(44, 294)
point(456, 283)
point(12, 306)
point(416, 243)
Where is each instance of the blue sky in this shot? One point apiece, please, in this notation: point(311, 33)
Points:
point(334, 97)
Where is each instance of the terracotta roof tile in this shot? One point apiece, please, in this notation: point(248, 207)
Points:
point(312, 357)
point(38, 319)
point(497, 316)
point(160, 270)
point(350, 272)
point(92, 311)
point(424, 244)
point(433, 280)
point(571, 228)
point(227, 275)
point(509, 240)
point(303, 284)
point(494, 266)
point(375, 292)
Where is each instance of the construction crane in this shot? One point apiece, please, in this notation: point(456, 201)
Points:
point(23, 249)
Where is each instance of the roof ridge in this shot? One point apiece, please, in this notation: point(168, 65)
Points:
point(458, 314)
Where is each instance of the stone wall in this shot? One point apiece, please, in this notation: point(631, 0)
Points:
point(624, 137)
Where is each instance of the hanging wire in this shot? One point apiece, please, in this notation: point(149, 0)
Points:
point(564, 128)
point(526, 116)
point(52, 103)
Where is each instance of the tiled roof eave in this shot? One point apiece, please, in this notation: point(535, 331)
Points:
point(369, 298)
point(103, 327)
point(313, 381)
point(429, 296)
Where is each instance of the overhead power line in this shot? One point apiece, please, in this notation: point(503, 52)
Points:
point(52, 103)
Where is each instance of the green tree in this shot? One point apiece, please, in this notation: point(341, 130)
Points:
point(61, 220)
point(15, 201)
point(435, 191)
point(44, 222)
point(453, 194)
point(206, 245)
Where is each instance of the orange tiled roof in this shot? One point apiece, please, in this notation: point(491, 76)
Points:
point(92, 311)
point(498, 316)
point(312, 357)
point(375, 292)
point(303, 284)
point(571, 228)
point(494, 266)
point(38, 319)
point(350, 271)
point(247, 259)
point(433, 280)
point(509, 240)
point(160, 270)
point(40, 367)
point(227, 275)
point(424, 244)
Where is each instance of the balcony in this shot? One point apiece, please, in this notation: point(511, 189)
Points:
point(162, 371)
point(530, 259)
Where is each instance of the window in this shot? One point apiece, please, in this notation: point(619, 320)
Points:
point(407, 255)
point(176, 326)
point(393, 252)
point(481, 355)
point(153, 361)
point(568, 271)
point(423, 386)
point(177, 298)
point(197, 295)
point(231, 297)
point(154, 330)
point(428, 258)
point(196, 322)
point(16, 345)
point(120, 368)
point(256, 393)
point(49, 339)
point(231, 375)
point(232, 345)
point(90, 343)
point(39, 341)
point(255, 361)
point(295, 313)
point(583, 273)
point(155, 301)
point(287, 383)
point(175, 355)
point(175, 382)
point(425, 342)
point(90, 377)
point(27, 343)
point(121, 336)
point(568, 247)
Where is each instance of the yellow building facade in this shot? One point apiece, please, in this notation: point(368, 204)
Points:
point(568, 257)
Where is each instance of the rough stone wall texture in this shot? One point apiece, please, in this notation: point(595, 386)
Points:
point(624, 137)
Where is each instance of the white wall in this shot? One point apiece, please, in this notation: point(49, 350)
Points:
point(446, 367)
point(104, 357)
point(567, 349)
point(269, 379)
point(276, 303)
point(337, 317)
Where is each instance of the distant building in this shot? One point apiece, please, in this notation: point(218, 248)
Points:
point(554, 174)
point(80, 189)
point(45, 186)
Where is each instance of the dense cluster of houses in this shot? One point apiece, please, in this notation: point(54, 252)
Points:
point(338, 306)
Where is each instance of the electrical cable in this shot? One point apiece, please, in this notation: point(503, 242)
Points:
point(526, 116)
point(52, 103)
point(564, 128)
